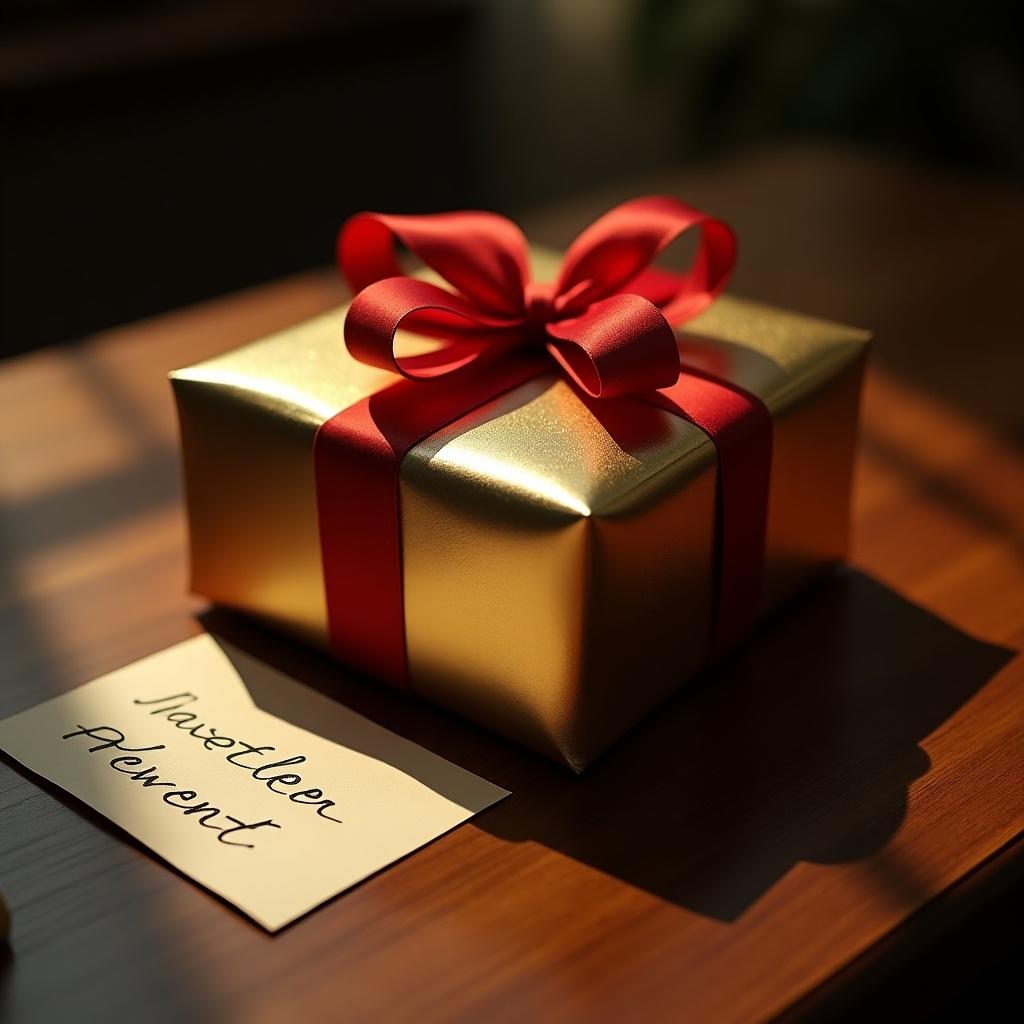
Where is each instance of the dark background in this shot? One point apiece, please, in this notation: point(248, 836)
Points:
point(159, 152)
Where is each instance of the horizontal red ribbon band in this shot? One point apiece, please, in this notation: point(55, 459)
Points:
point(606, 323)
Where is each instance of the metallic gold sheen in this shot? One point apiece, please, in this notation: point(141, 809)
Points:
point(557, 551)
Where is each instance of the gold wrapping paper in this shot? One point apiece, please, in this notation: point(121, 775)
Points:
point(557, 551)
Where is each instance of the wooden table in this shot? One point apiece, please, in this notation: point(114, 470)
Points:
point(838, 804)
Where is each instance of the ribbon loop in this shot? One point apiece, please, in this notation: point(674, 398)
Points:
point(607, 321)
point(611, 255)
point(481, 254)
point(382, 308)
point(620, 346)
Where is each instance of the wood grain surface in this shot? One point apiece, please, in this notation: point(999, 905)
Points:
point(781, 822)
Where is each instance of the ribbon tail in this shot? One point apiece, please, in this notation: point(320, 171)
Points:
point(740, 426)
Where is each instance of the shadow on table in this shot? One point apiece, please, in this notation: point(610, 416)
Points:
point(800, 747)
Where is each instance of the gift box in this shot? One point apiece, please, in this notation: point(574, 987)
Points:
point(560, 556)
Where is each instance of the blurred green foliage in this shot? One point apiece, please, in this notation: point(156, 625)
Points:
point(940, 79)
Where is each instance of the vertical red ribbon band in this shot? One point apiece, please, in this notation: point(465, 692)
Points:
point(606, 323)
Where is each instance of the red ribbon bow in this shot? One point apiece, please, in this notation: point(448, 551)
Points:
point(607, 322)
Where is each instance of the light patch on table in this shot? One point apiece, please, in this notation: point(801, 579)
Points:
point(273, 815)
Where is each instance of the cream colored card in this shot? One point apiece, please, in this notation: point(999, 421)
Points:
point(261, 789)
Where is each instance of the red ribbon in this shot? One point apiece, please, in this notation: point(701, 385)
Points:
point(606, 322)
